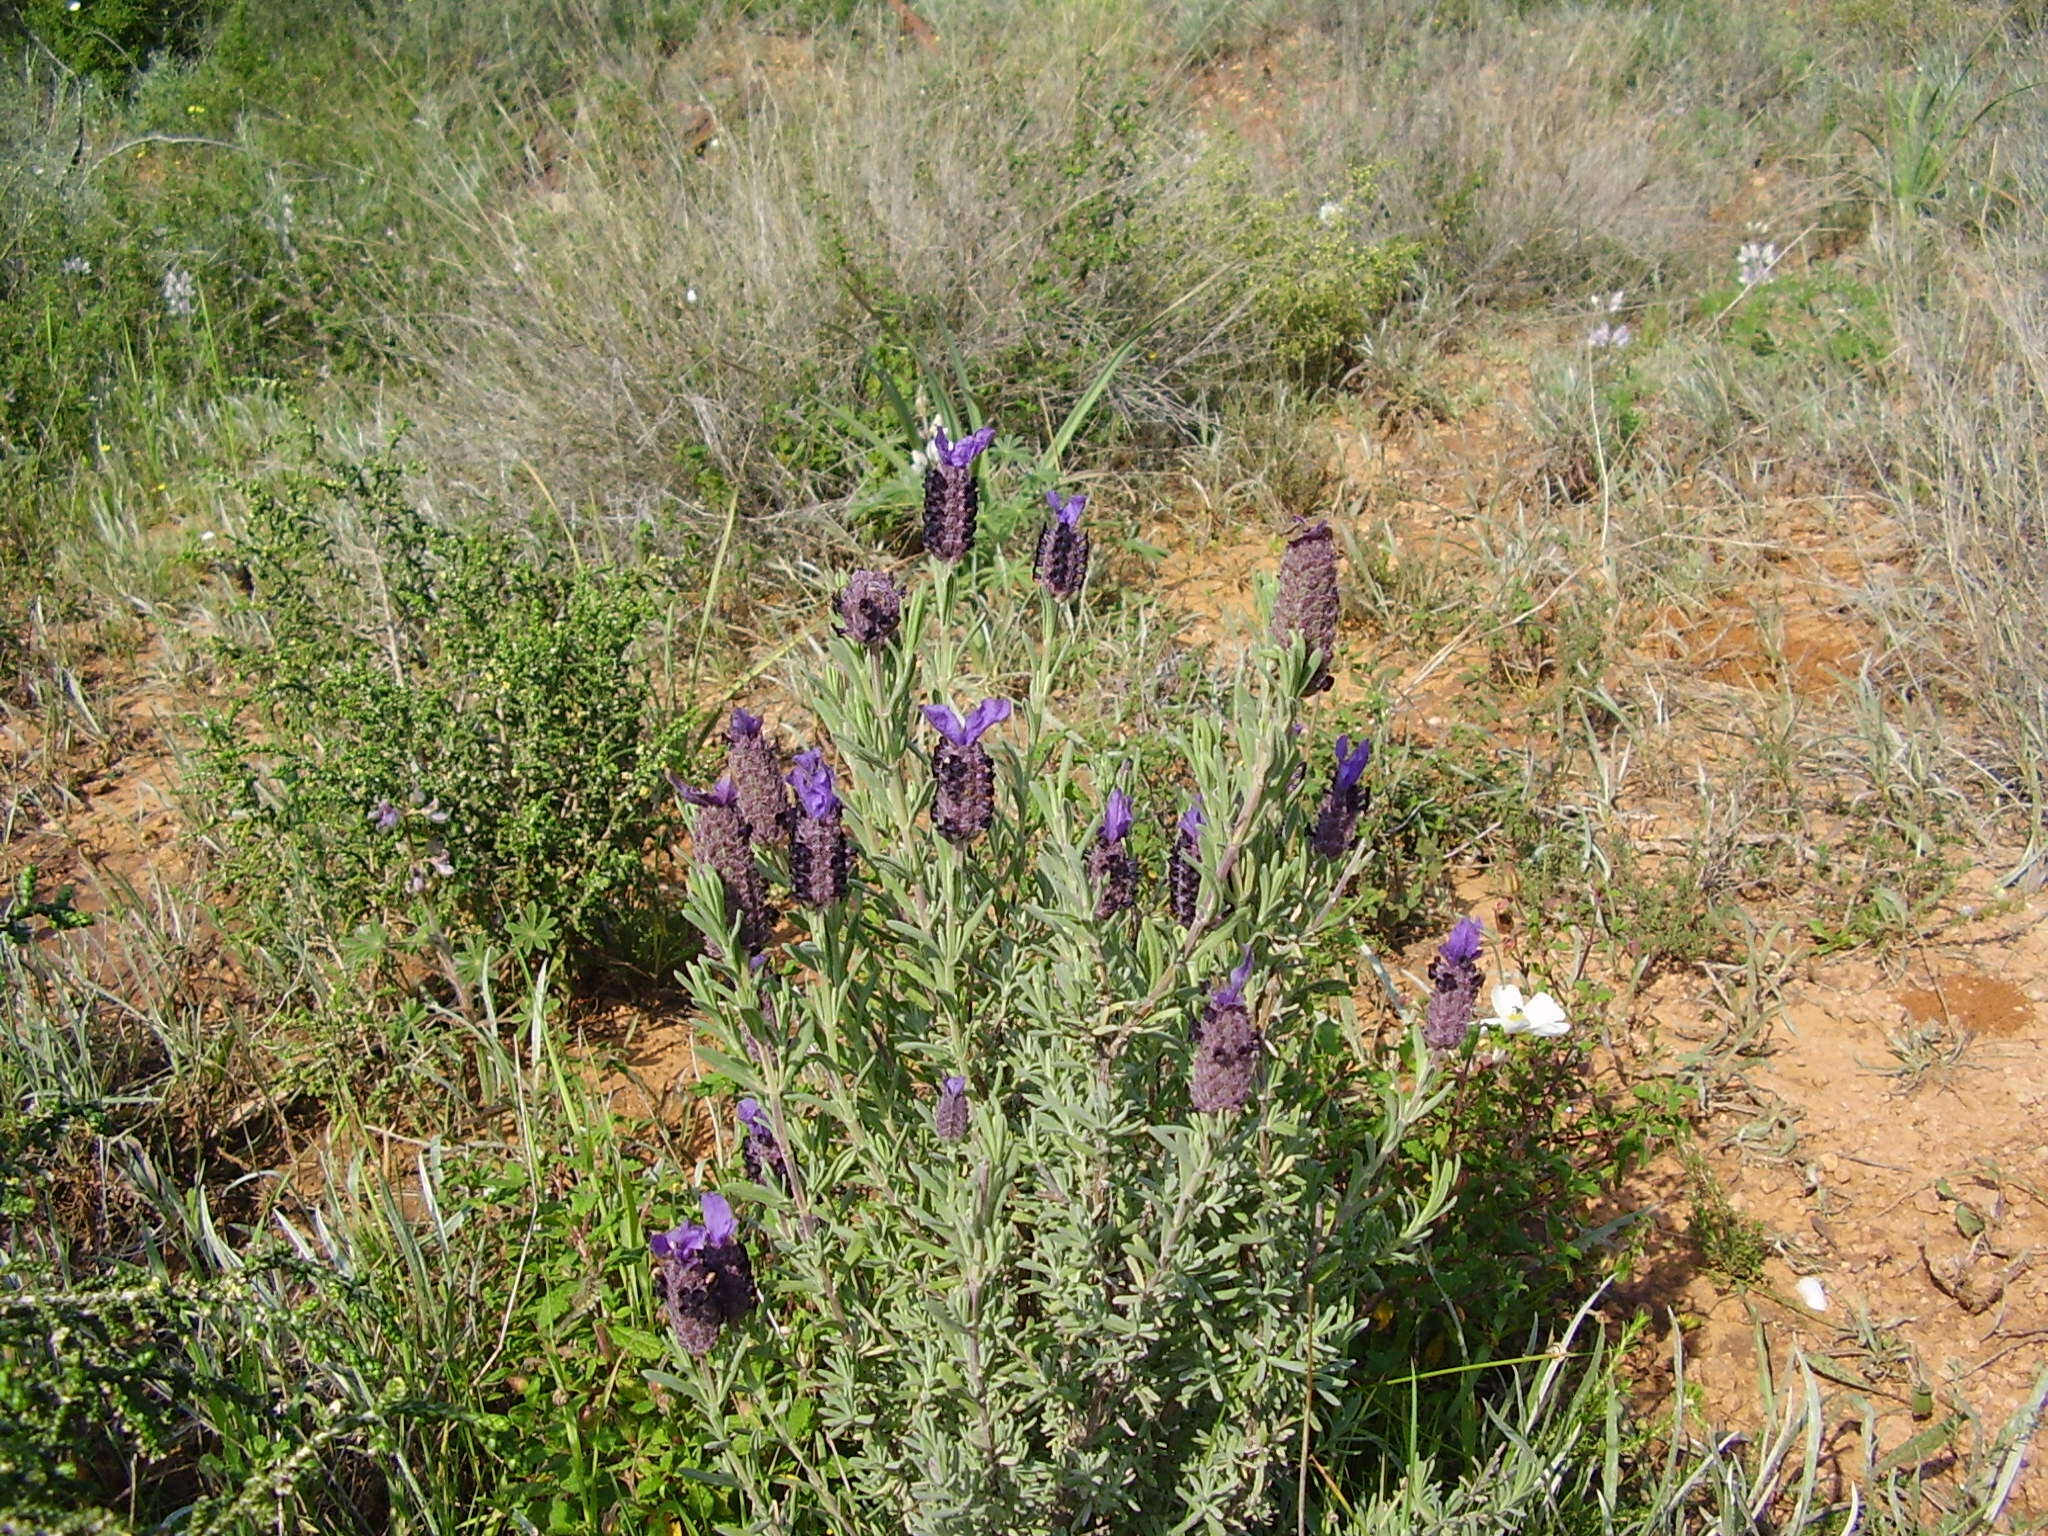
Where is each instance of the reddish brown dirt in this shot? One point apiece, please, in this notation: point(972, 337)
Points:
point(1885, 1125)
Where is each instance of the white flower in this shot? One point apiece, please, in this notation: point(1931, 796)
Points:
point(1757, 262)
point(1330, 212)
point(77, 266)
point(1605, 335)
point(1514, 1014)
point(1813, 1293)
point(689, 295)
point(179, 292)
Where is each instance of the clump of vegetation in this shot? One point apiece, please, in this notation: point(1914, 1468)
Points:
point(454, 741)
point(1020, 1114)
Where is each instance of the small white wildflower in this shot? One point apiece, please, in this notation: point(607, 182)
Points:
point(1757, 262)
point(180, 292)
point(1329, 213)
point(1813, 1293)
point(77, 266)
point(1514, 1014)
point(689, 295)
point(1606, 335)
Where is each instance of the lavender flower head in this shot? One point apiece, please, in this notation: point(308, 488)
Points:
point(949, 1116)
point(964, 779)
point(1061, 563)
point(1183, 873)
point(1110, 865)
point(761, 1153)
point(1308, 601)
point(752, 766)
point(952, 499)
point(703, 1274)
point(721, 840)
point(1344, 801)
point(870, 609)
point(1454, 977)
point(1226, 1047)
point(817, 843)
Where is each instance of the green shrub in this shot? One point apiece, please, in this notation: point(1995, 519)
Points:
point(454, 739)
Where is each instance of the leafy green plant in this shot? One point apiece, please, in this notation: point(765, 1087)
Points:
point(1922, 125)
point(1731, 1245)
point(456, 738)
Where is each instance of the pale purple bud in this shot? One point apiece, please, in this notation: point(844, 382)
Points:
point(949, 1116)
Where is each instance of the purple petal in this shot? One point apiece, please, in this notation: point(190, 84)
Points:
point(1116, 817)
point(813, 783)
point(963, 453)
point(678, 1242)
point(720, 1225)
point(953, 1087)
point(947, 724)
point(750, 1112)
point(1463, 946)
point(1067, 511)
point(721, 793)
point(744, 725)
point(1351, 761)
point(1192, 819)
point(986, 714)
point(1233, 994)
point(942, 445)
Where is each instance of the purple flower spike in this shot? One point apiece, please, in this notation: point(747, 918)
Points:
point(1455, 980)
point(720, 836)
point(756, 773)
point(1227, 1047)
point(1308, 603)
point(1061, 562)
point(1183, 874)
point(818, 861)
point(704, 1275)
point(949, 1115)
point(1110, 865)
point(964, 780)
point(870, 609)
point(383, 815)
point(1346, 800)
point(952, 497)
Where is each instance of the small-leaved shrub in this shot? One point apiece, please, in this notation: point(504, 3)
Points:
point(453, 737)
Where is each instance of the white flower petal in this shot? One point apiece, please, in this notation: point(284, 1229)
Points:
point(1507, 1000)
point(1813, 1293)
point(1543, 1015)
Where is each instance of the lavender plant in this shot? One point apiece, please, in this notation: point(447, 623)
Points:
point(1120, 1292)
point(751, 765)
point(1061, 561)
point(1308, 603)
point(952, 496)
point(1110, 865)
